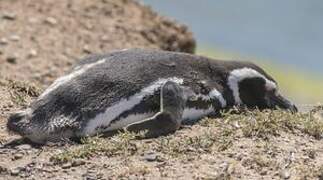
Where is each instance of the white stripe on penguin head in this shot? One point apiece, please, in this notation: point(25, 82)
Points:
point(238, 75)
point(216, 94)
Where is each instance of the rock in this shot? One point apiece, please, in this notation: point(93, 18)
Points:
point(78, 162)
point(66, 165)
point(32, 53)
point(18, 156)
point(50, 20)
point(86, 49)
point(24, 147)
point(15, 172)
point(89, 175)
point(9, 16)
point(3, 41)
point(264, 172)
point(285, 174)
point(12, 59)
point(150, 156)
point(3, 169)
point(14, 38)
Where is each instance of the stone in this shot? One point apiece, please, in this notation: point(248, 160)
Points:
point(12, 59)
point(150, 157)
point(32, 53)
point(3, 41)
point(78, 162)
point(15, 172)
point(285, 174)
point(18, 156)
point(51, 20)
point(86, 49)
point(14, 38)
point(66, 165)
point(3, 169)
point(9, 16)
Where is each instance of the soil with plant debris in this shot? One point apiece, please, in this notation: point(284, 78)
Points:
point(41, 40)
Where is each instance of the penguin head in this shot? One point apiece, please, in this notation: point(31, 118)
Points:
point(254, 88)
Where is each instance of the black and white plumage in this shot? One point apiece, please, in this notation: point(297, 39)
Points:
point(143, 89)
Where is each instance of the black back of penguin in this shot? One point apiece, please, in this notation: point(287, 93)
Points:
point(121, 75)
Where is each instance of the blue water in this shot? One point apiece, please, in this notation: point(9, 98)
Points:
point(285, 31)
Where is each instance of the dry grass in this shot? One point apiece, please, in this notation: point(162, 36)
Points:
point(21, 91)
point(120, 144)
point(218, 135)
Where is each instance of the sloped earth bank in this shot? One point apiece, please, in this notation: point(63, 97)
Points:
point(40, 40)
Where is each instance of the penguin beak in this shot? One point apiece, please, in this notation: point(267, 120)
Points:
point(278, 101)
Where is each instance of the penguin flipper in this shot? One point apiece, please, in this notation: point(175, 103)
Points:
point(168, 120)
point(158, 125)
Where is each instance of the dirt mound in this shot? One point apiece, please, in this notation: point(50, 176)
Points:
point(41, 39)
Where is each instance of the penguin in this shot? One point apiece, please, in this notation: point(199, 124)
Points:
point(143, 90)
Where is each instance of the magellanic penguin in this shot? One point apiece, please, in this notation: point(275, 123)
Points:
point(143, 90)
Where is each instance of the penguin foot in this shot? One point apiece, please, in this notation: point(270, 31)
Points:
point(169, 118)
point(158, 125)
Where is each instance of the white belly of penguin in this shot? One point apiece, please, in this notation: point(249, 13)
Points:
point(132, 118)
point(192, 114)
point(106, 119)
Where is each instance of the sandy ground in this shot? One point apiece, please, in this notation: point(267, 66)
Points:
point(41, 40)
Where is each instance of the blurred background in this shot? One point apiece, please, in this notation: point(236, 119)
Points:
point(284, 37)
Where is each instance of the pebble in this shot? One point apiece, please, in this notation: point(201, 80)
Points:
point(32, 53)
point(18, 156)
point(150, 157)
point(3, 41)
point(78, 162)
point(263, 172)
point(14, 38)
point(15, 172)
point(66, 165)
point(12, 59)
point(285, 174)
point(24, 147)
point(86, 49)
point(9, 16)
point(3, 169)
point(90, 177)
point(51, 20)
